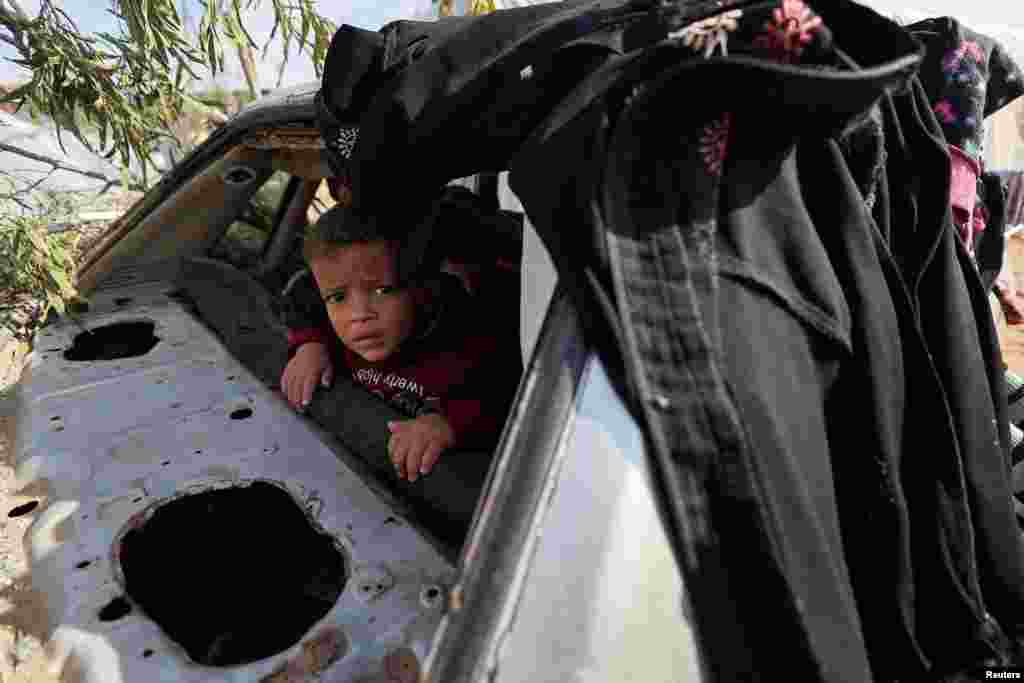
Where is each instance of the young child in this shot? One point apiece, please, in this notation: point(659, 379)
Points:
point(418, 344)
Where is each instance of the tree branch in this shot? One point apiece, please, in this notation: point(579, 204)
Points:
point(59, 165)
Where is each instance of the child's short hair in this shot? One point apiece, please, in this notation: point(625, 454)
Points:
point(339, 227)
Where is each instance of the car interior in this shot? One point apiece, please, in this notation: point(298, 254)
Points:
point(230, 239)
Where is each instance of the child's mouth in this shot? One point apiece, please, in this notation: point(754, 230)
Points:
point(366, 339)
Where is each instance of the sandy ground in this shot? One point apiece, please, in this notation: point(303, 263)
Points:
point(1012, 338)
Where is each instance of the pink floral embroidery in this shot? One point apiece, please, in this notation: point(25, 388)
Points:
point(714, 141)
point(945, 111)
point(956, 57)
point(789, 31)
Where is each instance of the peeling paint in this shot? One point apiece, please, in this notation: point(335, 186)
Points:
point(121, 465)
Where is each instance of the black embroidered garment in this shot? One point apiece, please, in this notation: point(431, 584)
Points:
point(765, 332)
point(967, 77)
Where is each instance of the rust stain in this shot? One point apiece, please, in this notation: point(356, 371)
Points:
point(402, 666)
point(318, 653)
point(64, 529)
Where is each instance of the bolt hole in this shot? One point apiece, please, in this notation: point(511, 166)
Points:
point(240, 175)
point(24, 509)
point(165, 463)
point(54, 418)
point(147, 653)
point(199, 452)
point(83, 564)
point(432, 593)
point(113, 342)
point(117, 608)
point(241, 414)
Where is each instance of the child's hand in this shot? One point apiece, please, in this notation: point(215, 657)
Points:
point(415, 445)
point(310, 365)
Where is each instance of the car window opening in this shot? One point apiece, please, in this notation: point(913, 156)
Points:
point(113, 342)
point(200, 568)
point(262, 245)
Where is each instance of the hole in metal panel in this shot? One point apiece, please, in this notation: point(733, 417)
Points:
point(241, 413)
point(111, 342)
point(118, 608)
point(217, 609)
point(54, 418)
point(83, 564)
point(239, 175)
point(147, 653)
point(23, 509)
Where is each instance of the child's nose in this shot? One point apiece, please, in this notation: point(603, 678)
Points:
point(360, 308)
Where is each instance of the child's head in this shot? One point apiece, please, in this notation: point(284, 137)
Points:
point(355, 267)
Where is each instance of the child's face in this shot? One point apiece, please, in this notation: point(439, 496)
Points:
point(370, 314)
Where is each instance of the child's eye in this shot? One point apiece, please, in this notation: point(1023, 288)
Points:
point(383, 291)
point(336, 297)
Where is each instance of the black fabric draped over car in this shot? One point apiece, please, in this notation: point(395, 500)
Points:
point(791, 322)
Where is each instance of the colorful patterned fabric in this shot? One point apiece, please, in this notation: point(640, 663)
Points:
point(968, 77)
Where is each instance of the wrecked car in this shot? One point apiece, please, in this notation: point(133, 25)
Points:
point(197, 528)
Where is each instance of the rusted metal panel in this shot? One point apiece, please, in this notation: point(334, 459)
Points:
point(115, 440)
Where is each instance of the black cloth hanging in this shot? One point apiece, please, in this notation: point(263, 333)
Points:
point(946, 286)
point(706, 290)
point(766, 329)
